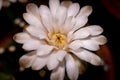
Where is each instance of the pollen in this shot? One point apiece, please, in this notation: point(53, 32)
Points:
point(59, 40)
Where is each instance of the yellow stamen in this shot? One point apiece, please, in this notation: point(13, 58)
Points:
point(59, 40)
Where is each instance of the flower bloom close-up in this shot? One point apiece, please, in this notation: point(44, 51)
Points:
point(59, 38)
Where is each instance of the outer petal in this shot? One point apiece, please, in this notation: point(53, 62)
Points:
point(70, 36)
point(101, 40)
point(33, 9)
point(73, 9)
point(94, 30)
point(58, 73)
point(80, 22)
point(44, 50)
point(27, 59)
point(88, 30)
point(37, 32)
point(85, 11)
point(87, 44)
point(31, 45)
point(61, 54)
point(82, 17)
point(46, 17)
point(69, 24)
point(71, 67)
point(31, 19)
point(22, 37)
point(82, 66)
point(88, 57)
point(81, 33)
point(52, 61)
point(90, 45)
point(54, 4)
point(39, 62)
point(66, 3)
point(75, 45)
point(61, 16)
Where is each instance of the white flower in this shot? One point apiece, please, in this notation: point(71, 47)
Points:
point(59, 39)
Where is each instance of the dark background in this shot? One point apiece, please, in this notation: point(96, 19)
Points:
point(104, 14)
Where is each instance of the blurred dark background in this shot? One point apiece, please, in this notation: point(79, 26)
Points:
point(106, 13)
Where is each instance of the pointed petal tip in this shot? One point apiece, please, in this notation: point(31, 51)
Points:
point(103, 40)
point(86, 10)
point(89, 9)
point(97, 62)
point(30, 4)
point(73, 9)
point(18, 36)
point(66, 3)
point(32, 8)
point(34, 68)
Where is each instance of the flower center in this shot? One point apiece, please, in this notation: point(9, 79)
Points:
point(59, 40)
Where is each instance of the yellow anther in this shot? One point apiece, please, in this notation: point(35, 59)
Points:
point(59, 40)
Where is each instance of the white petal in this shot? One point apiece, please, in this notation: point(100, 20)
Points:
point(27, 59)
point(66, 3)
point(85, 11)
point(99, 39)
point(69, 24)
point(89, 44)
point(37, 32)
point(32, 20)
point(61, 54)
point(73, 9)
point(70, 36)
point(58, 73)
point(82, 17)
point(44, 50)
point(35, 19)
point(33, 9)
point(22, 37)
point(31, 45)
point(88, 57)
point(81, 33)
point(88, 30)
point(46, 17)
point(80, 22)
point(52, 61)
point(72, 68)
point(75, 45)
point(39, 63)
point(54, 4)
point(82, 66)
point(94, 30)
point(61, 16)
